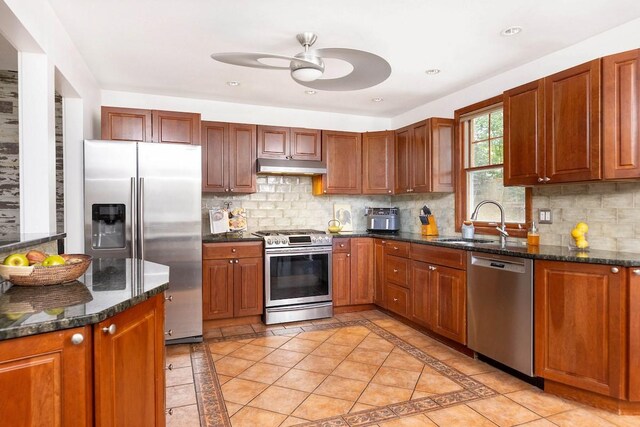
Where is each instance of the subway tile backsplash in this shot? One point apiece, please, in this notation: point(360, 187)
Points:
point(612, 210)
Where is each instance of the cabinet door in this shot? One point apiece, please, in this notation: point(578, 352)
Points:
point(378, 297)
point(242, 158)
point(402, 160)
point(580, 323)
point(45, 380)
point(306, 144)
point(362, 270)
point(129, 367)
point(420, 293)
point(215, 157)
point(572, 128)
point(448, 297)
point(126, 124)
point(342, 151)
point(621, 115)
point(341, 278)
point(524, 134)
point(217, 289)
point(273, 142)
point(420, 159)
point(377, 163)
point(634, 336)
point(441, 155)
point(398, 299)
point(177, 128)
point(248, 284)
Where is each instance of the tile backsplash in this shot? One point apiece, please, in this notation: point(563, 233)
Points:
point(612, 210)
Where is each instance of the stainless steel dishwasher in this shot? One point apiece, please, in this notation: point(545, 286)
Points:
point(500, 309)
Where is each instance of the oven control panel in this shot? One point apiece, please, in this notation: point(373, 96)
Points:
point(297, 241)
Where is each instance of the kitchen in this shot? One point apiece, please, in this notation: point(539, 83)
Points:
point(55, 56)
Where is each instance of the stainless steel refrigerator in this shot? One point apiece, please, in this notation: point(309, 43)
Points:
point(143, 200)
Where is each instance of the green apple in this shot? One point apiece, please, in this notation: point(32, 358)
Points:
point(52, 260)
point(17, 260)
point(54, 311)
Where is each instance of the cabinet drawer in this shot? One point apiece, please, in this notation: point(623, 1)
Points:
point(396, 248)
point(454, 258)
point(341, 245)
point(231, 250)
point(397, 299)
point(396, 270)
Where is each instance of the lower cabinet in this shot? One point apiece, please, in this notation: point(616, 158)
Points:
point(378, 283)
point(129, 366)
point(111, 374)
point(233, 280)
point(397, 299)
point(634, 334)
point(580, 326)
point(353, 271)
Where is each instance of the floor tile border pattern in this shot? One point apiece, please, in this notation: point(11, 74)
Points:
point(213, 409)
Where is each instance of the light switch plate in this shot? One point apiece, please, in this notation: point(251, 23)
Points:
point(544, 216)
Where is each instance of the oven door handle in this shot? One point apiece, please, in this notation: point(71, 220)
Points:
point(299, 251)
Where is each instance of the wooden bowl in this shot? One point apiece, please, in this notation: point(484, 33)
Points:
point(54, 275)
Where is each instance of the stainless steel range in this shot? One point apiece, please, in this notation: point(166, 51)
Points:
point(297, 274)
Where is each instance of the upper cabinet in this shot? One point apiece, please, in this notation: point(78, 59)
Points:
point(128, 124)
point(621, 115)
point(342, 151)
point(289, 143)
point(377, 162)
point(552, 128)
point(423, 157)
point(228, 157)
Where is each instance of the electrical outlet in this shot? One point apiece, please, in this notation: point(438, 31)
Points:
point(544, 216)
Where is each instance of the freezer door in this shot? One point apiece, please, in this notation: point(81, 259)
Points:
point(170, 230)
point(110, 173)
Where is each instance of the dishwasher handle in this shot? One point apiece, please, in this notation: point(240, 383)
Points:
point(514, 266)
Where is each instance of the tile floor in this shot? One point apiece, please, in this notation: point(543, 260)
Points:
point(355, 369)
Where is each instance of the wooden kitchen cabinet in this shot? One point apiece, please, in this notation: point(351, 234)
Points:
point(552, 128)
point(228, 158)
point(232, 280)
point(420, 293)
point(424, 157)
point(353, 271)
point(621, 115)
point(377, 162)
point(378, 255)
point(342, 152)
point(580, 326)
point(128, 124)
point(634, 334)
point(129, 366)
point(45, 380)
point(341, 278)
point(289, 143)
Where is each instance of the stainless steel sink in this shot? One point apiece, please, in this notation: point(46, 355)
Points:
point(460, 241)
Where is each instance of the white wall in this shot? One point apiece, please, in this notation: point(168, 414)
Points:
point(246, 113)
point(618, 39)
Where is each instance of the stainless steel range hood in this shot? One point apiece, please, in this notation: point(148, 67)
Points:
point(291, 167)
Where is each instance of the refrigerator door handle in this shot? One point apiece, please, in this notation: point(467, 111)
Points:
point(141, 220)
point(134, 243)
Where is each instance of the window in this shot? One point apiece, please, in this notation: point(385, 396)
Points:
point(481, 156)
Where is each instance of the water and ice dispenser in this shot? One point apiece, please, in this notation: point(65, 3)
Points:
point(108, 226)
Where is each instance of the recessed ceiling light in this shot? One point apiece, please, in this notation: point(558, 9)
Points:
point(377, 99)
point(310, 92)
point(233, 83)
point(432, 71)
point(511, 31)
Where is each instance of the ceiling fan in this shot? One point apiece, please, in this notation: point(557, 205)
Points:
point(307, 67)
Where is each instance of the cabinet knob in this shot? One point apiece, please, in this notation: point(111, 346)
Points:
point(395, 300)
point(615, 270)
point(110, 330)
point(236, 261)
point(342, 245)
point(547, 179)
point(395, 270)
point(169, 332)
point(170, 411)
point(408, 190)
point(233, 250)
point(636, 272)
point(389, 191)
point(432, 268)
point(170, 367)
point(325, 191)
point(540, 179)
point(169, 298)
point(384, 242)
point(231, 189)
point(230, 261)
point(77, 339)
point(348, 255)
point(395, 248)
point(226, 190)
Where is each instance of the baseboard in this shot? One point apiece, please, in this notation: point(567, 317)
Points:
point(611, 404)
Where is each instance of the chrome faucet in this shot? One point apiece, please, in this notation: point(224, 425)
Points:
point(503, 228)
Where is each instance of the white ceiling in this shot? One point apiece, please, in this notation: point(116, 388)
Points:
point(163, 46)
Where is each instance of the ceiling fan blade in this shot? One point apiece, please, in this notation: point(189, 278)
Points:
point(252, 59)
point(368, 70)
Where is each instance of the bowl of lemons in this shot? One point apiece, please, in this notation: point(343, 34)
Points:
point(579, 234)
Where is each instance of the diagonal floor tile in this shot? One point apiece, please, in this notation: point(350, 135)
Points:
point(381, 395)
point(459, 416)
point(355, 371)
point(318, 407)
point(251, 352)
point(300, 345)
point(232, 366)
point(263, 373)
point(322, 365)
point(284, 358)
point(279, 399)
point(403, 360)
point(341, 388)
point(252, 417)
point(301, 380)
point(396, 378)
point(503, 411)
point(242, 391)
point(541, 403)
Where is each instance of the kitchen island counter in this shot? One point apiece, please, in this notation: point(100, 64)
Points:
point(109, 286)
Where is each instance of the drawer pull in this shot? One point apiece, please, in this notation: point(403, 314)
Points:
point(233, 250)
point(636, 272)
point(170, 411)
point(236, 261)
point(77, 339)
point(615, 270)
point(395, 270)
point(170, 367)
point(111, 330)
point(395, 248)
point(348, 255)
point(342, 245)
point(169, 332)
point(432, 268)
point(230, 261)
point(169, 298)
point(395, 300)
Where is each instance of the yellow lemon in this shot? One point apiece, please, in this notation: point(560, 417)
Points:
point(582, 243)
point(582, 226)
point(576, 233)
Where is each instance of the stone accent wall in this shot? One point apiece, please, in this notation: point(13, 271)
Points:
point(59, 166)
point(9, 154)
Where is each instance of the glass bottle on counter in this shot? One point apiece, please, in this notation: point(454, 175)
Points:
point(533, 236)
point(468, 229)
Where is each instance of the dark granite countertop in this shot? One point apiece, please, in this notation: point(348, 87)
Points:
point(110, 286)
point(230, 237)
point(10, 242)
point(514, 248)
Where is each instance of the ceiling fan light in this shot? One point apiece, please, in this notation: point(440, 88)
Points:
point(306, 74)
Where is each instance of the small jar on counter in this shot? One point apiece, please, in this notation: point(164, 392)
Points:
point(468, 230)
point(533, 236)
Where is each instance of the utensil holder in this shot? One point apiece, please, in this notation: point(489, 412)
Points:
point(430, 229)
